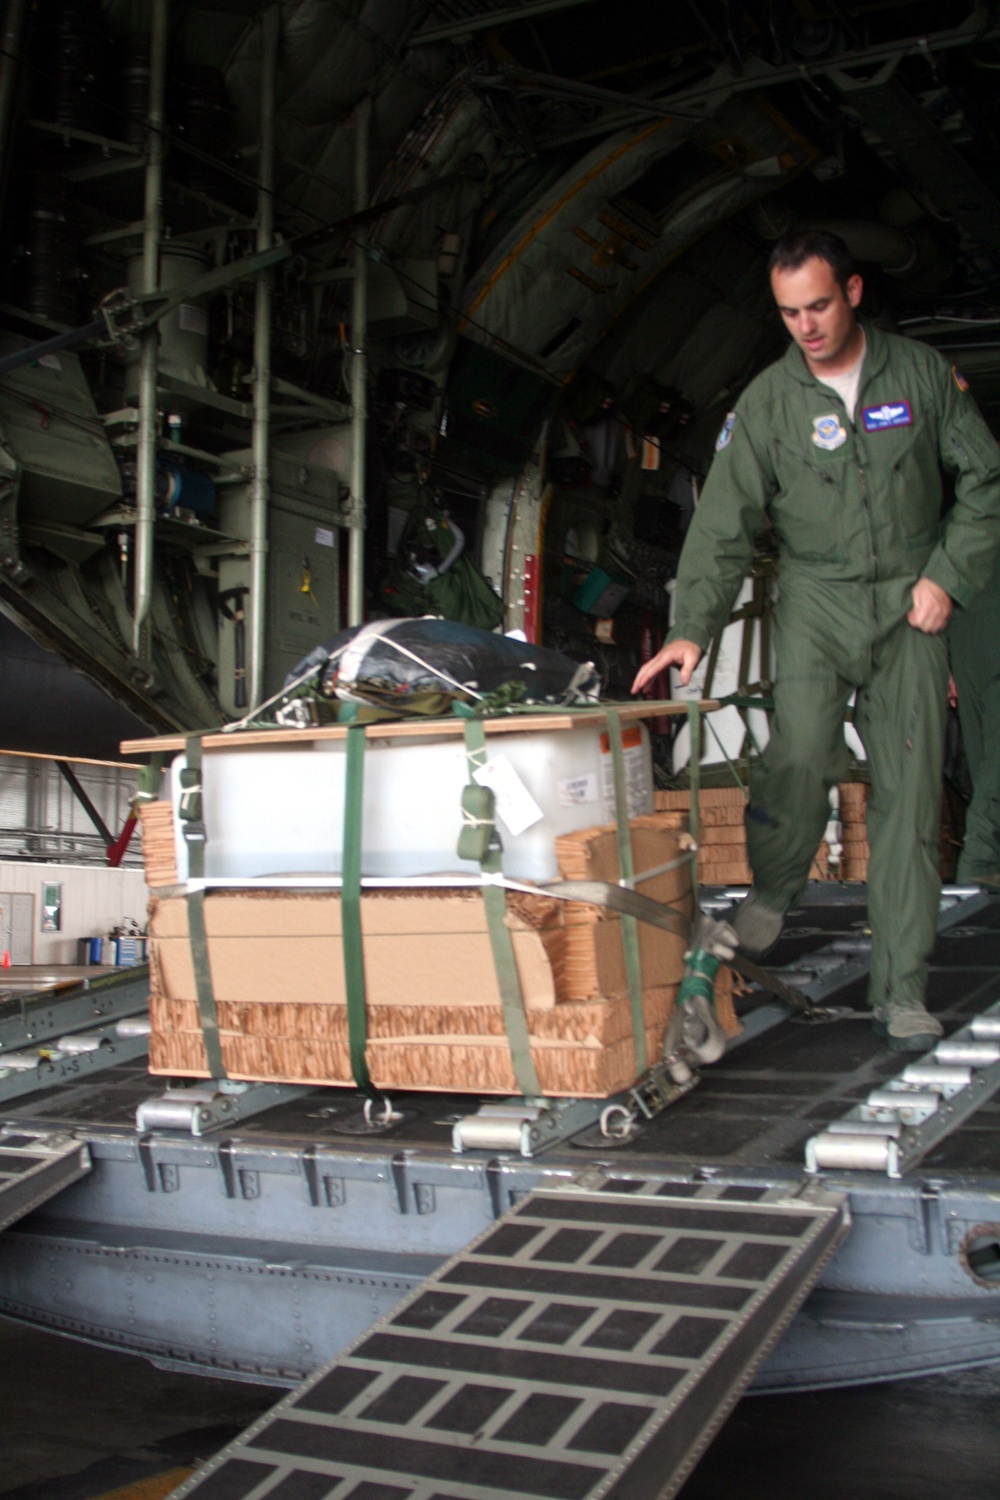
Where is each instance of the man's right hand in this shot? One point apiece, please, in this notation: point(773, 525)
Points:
point(683, 654)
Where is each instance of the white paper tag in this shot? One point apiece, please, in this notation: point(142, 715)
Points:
point(323, 536)
point(516, 806)
point(51, 361)
point(574, 790)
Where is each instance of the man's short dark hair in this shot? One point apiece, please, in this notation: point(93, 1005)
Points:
point(793, 250)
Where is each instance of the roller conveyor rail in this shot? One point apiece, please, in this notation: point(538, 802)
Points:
point(897, 1125)
point(589, 1344)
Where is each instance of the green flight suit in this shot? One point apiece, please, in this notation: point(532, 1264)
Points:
point(857, 508)
point(974, 641)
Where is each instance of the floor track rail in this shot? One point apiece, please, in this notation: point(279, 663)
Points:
point(899, 1123)
point(34, 1166)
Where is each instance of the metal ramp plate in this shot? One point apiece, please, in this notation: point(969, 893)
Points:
point(34, 1167)
point(588, 1345)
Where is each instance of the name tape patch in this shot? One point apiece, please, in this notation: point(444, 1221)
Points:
point(890, 414)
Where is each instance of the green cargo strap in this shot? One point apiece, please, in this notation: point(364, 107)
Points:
point(350, 901)
point(700, 969)
point(193, 828)
point(694, 782)
point(626, 870)
point(479, 832)
point(147, 783)
point(734, 772)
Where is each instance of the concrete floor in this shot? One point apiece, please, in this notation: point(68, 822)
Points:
point(78, 1423)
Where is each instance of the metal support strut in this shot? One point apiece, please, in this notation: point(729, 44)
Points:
point(152, 229)
point(359, 373)
point(260, 489)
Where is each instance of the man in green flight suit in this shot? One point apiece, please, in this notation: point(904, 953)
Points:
point(840, 444)
point(974, 643)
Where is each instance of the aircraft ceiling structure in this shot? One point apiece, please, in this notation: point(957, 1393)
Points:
point(571, 205)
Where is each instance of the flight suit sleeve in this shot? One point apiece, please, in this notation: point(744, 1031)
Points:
point(963, 559)
point(719, 544)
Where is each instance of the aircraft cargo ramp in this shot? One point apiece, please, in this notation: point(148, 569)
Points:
point(591, 1343)
point(380, 1240)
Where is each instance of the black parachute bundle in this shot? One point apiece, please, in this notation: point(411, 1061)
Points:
point(422, 666)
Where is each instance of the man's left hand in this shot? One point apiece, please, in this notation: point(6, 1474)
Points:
point(932, 607)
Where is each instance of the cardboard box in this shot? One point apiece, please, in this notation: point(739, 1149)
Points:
point(434, 1014)
point(283, 947)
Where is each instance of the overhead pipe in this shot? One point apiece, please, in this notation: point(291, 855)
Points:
point(152, 233)
point(867, 239)
point(359, 373)
point(260, 484)
point(892, 249)
point(10, 56)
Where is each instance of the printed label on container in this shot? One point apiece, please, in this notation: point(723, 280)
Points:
point(516, 807)
point(323, 536)
point(636, 785)
point(574, 790)
point(192, 319)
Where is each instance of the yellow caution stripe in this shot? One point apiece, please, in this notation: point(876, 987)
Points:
point(154, 1487)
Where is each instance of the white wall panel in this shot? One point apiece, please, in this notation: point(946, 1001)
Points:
point(94, 900)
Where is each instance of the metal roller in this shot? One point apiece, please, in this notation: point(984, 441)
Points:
point(134, 1026)
point(972, 1054)
point(171, 1114)
point(865, 1127)
point(486, 1133)
point(857, 1153)
point(20, 1062)
point(943, 1080)
point(984, 1028)
point(910, 1106)
point(73, 1045)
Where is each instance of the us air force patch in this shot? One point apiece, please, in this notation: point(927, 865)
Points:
point(889, 414)
point(959, 378)
point(829, 432)
point(726, 435)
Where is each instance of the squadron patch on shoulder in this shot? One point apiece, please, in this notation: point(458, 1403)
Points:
point(829, 432)
point(889, 414)
point(959, 378)
point(726, 435)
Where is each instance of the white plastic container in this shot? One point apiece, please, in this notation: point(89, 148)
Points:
point(278, 809)
point(728, 723)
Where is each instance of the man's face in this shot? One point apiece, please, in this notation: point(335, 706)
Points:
point(819, 314)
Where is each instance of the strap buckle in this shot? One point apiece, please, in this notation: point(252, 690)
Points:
point(189, 805)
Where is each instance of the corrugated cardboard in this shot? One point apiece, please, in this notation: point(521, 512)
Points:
point(433, 1013)
point(285, 947)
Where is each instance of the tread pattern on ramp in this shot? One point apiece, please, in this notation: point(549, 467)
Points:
point(589, 1344)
